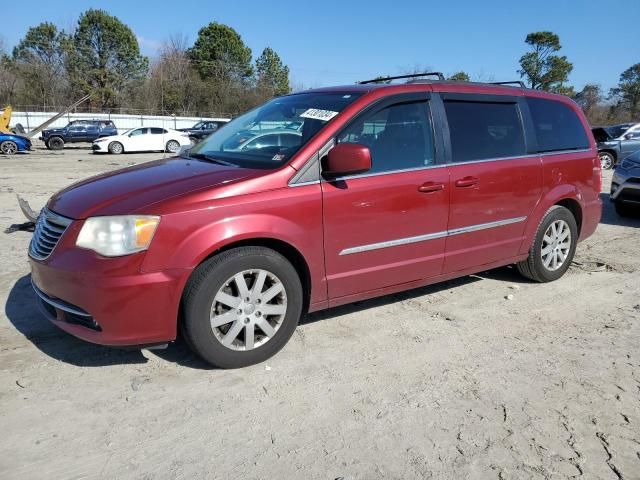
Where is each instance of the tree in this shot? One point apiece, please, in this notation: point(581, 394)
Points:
point(627, 92)
point(174, 86)
point(39, 60)
point(541, 68)
point(589, 97)
point(220, 54)
point(460, 77)
point(272, 74)
point(8, 78)
point(104, 58)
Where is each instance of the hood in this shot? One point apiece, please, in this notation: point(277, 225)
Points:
point(132, 189)
point(52, 130)
point(601, 135)
point(108, 138)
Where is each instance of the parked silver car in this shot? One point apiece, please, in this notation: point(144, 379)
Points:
point(625, 186)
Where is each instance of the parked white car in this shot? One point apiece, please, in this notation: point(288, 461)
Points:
point(143, 139)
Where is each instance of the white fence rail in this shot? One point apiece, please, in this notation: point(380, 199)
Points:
point(30, 120)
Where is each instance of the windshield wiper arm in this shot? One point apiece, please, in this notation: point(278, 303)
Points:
point(203, 156)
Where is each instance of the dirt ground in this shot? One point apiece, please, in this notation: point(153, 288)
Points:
point(458, 380)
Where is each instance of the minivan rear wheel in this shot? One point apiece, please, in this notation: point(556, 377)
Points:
point(241, 306)
point(553, 248)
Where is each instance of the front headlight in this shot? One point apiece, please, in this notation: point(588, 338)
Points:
point(628, 164)
point(117, 236)
point(100, 140)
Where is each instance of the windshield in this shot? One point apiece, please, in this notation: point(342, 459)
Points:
point(617, 130)
point(268, 136)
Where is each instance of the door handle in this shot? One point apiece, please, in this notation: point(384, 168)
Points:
point(467, 182)
point(430, 187)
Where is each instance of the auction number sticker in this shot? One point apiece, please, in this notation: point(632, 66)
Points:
point(317, 114)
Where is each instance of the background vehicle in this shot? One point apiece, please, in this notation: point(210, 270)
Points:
point(143, 139)
point(387, 188)
point(10, 143)
point(256, 140)
point(619, 131)
point(613, 149)
point(202, 129)
point(625, 186)
point(78, 131)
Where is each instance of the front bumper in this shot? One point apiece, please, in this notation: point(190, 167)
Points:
point(100, 147)
point(108, 301)
point(625, 187)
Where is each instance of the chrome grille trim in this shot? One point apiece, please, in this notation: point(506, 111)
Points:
point(59, 304)
point(49, 228)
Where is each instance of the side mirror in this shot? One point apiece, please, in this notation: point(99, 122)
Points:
point(346, 159)
point(628, 136)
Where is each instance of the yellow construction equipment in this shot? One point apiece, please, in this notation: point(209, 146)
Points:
point(5, 119)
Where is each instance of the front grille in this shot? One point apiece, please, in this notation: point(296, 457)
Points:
point(49, 229)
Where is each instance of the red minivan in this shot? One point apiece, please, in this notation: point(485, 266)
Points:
point(313, 200)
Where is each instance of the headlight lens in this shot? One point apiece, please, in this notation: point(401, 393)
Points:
point(100, 140)
point(117, 236)
point(627, 164)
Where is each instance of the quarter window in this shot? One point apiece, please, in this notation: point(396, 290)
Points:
point(484, 130)
point(399, 137)
point(557, 126)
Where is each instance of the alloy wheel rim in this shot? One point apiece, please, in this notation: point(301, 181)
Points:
point(9, 148)
point(605, 162)
point(556, 244)
point(117, 148)
point(173, 146)
point(248, 310)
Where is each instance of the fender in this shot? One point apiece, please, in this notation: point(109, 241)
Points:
point(548, 199)
point(187, 240)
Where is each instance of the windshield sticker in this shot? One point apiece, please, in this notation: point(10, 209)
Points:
point(278, 157)
point(317, 114)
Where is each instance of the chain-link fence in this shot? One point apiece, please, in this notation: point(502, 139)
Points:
point(30, 119)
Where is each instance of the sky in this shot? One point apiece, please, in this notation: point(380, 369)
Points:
point(331, 42)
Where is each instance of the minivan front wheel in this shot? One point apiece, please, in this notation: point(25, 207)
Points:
point(241, 306)
point(553, 247)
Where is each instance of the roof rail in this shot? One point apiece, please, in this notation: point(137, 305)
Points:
point(520, 83)
point(398, 77)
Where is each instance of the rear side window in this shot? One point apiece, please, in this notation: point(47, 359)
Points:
point(157, 131)
point(557, 126)
point(400, 137)
point(484, 130)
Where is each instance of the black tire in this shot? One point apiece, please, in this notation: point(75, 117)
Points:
point(116, 148)
point(172, 146)
point(533, 267)
point(203, 287)
point(626, 210)
point(55, 143)
point(8, 147)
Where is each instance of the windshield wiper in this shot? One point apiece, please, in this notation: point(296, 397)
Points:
point(203, 156)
